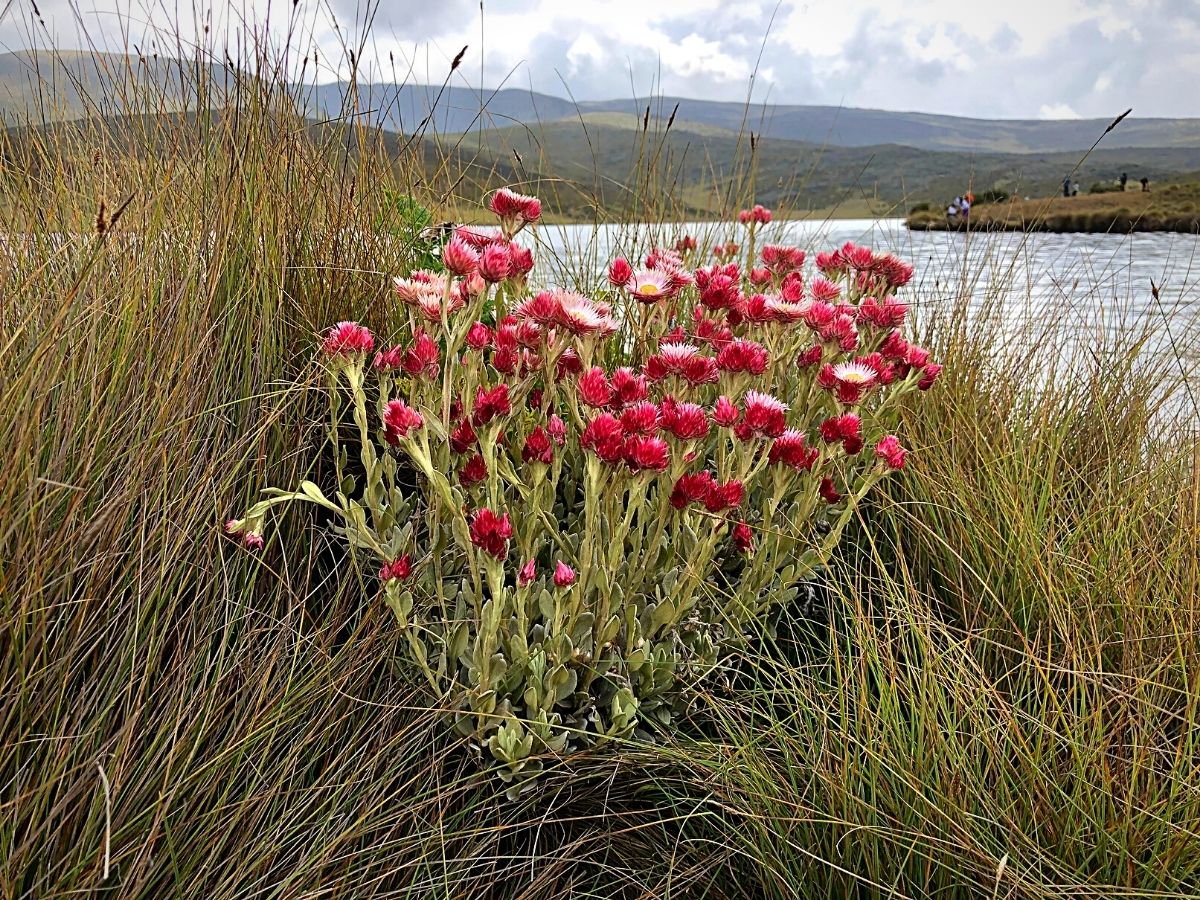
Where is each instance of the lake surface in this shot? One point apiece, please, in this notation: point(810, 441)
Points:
point(1092, 284)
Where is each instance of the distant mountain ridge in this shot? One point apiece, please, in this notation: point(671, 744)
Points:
point(78, 80)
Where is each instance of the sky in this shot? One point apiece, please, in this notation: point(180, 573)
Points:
point(994, 59)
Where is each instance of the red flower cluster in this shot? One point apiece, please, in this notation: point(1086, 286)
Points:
point(399, 419)
point(757, 215)
point(399, 569)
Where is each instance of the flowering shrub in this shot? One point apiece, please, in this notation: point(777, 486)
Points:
point(611, 491)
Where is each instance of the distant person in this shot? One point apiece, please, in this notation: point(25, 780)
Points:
point(1074, 188)
point(1145, 185)
point(965, 207)
point(1123, 179)
point(953, 210)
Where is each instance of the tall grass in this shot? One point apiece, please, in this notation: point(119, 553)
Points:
point(999, 701)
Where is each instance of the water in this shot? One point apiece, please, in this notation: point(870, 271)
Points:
point(1093, 284)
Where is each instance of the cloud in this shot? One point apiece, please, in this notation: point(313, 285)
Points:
point(1057, 111)
point(988, 60)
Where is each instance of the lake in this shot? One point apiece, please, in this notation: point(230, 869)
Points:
point(1094, 283)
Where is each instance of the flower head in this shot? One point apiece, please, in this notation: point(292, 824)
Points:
point(889, 450)
point(619, 272)
point(527, 574)
point(347, 339)
point(690, 488)
point(399, 419)
point(640, 418)
point(764, 416)
point(512, 207)
point(495, 263)
point(490, 403)
point(460, 257)
point(594, 389)
point(743, 538)
point(423, 357)
point(829, 493)
point(399, 569)
point(743, 356)
point(628, 387)
point(564, 575)
point(490, 532)
point(686, 421)
point(647, 453)
point(929, 375)
point(782, 260)
point(605, 437)
point(479, 336)
point(649, 285)
point(725, 413)
point(537, 447)
point(853, 379)
point(791, 449)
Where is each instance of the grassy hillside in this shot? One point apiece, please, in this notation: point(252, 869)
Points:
point(593, 157)
point(1173, 207)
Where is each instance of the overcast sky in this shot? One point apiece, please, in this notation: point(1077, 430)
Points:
point(999, 58)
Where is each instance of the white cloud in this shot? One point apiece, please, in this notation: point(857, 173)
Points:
point(1057, 111)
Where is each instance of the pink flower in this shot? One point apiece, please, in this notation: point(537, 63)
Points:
point(423, 357)
point(628, 387)
point(537, 447)
point(251, 540)
point(581, 316)
point(477, 237)
point(671, 359)
point(490, 403)
point(782, 260)
point(917, 357)
point(929, 375)
point(888, 314)
point(725, 413)
point(760, 277)
point(839, 428)
point(743, 538)
point(495, 263)
point(649, 286)
point(841, 331)
point(894, 347)
point(346, 339)
point(490, 532)
point(463, 438)
point(757, 308)
point(512, 207)
point(399, 569)
point(389, 359)
point(853, 379)
point(647, 453)
point(889, 450)
point(460, 257)
point(718, 287)
point(685, 243)
point(724, 496)
point(557, 429)
point(430, 304)
point(686, 421)
point(743, 356)
point(594, 389)
point(791, 449)
point(764, 416)
point(479, 337)
point(568, 363)
point(691, 487)
point(619, 272)
point(564, 575)
point(640, 418)
point(758, 215)
point(824, 290)
point(399, 419)
point(811, 356)
point(543, 308)
point(527, 574)
point(522, 259)
point(605, 437)
point(828, 492)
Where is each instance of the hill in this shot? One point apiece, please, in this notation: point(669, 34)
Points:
point(76, 79)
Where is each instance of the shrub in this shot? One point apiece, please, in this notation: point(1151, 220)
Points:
point(607, 498)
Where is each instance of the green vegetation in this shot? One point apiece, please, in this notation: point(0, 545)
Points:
point(1172, 207)
point(1001, 700)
